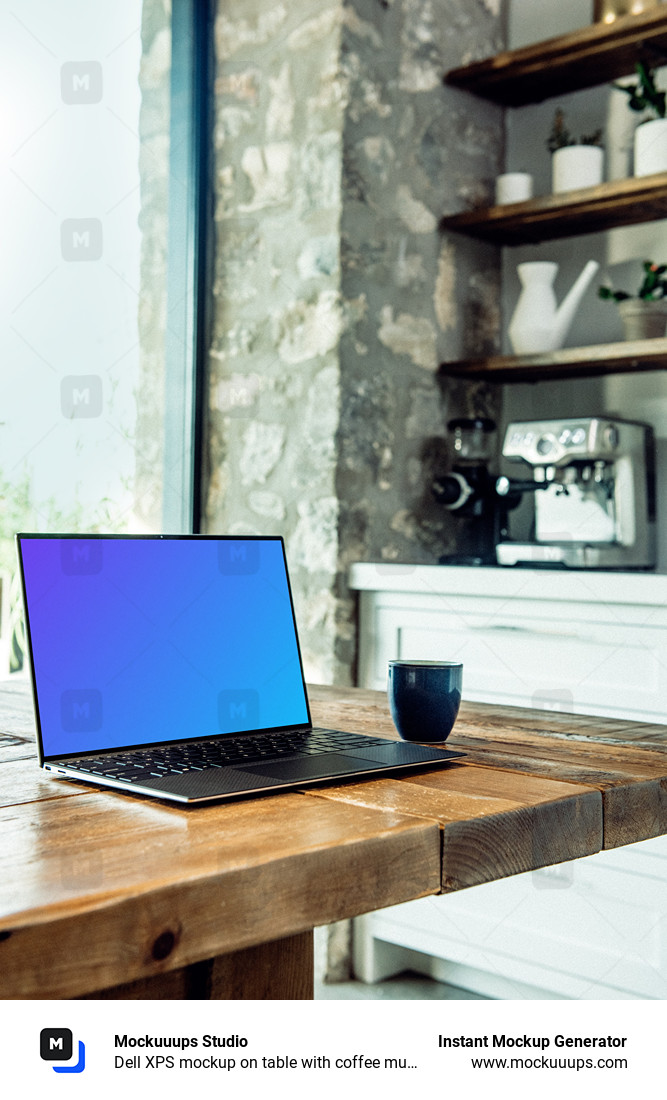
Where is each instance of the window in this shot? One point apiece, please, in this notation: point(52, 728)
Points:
point(102, 142)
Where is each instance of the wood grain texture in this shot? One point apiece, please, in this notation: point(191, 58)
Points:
point(16, 710)
point(280, 970)
point(586, 362)
point(494, 823)
point(567, 214)
point(625, 761)
point(582, 58)
point(126, 877)
point(21, 780)
point(177, 902)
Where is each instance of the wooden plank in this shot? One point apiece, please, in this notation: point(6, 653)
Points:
point(570, 213)
point(22, 780)
point(368, 711)
point(187, 983)
point(148, 888)
point(570, 748)
point(351, 709)
point(16, 748)
point(586, 362)
point(632, 783)
point(16, 711)
point(583, 58)
point(494, 824)
point(538, 722)
point(155, 890)
point(631, 757)
point(630, 775)
point(280, 970)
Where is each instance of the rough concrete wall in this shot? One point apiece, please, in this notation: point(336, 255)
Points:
point(413, 150)
point(337, 149)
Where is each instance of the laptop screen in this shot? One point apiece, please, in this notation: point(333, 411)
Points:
point(140, 640)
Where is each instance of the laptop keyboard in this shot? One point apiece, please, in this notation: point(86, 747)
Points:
point(191, 756)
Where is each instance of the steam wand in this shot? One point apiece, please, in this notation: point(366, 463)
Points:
point(506, 487)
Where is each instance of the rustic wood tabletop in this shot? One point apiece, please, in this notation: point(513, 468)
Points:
point(109, 895)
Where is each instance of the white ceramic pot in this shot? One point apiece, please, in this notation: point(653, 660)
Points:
point(643, 320)
point(513, 187)
point(651, 147)
point(576, 166)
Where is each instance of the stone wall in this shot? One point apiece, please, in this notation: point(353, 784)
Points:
point(337, 149)
point(413, 150)
point(274, 382)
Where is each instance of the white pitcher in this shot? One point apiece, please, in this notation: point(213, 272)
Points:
point(538, 324)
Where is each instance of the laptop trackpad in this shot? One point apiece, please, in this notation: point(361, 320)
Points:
point(313, 767)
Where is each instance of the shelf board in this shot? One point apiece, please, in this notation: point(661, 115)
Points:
point(583, 58)
point(587, 362)
point(570, 213)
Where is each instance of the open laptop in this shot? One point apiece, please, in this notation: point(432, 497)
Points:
point(169, 665)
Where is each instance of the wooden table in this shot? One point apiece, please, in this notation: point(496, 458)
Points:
point(103, 894)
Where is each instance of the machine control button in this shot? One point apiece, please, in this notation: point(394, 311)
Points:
point(611, 436)
point(578, 436)
point(545, 445)
point(565, 437)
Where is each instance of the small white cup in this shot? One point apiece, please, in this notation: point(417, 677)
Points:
point(513, 187)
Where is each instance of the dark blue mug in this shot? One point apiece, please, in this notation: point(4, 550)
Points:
point(424, 698)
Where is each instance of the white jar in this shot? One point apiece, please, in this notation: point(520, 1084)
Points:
point(576, 166)
point(513, 187)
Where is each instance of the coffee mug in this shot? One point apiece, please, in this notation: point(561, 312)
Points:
point(424, 698)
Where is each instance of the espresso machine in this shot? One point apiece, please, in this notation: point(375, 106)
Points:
point(593, 484)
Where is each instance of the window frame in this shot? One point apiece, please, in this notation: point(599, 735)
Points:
point(189, 221)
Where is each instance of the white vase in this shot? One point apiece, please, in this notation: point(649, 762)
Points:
point(651, 147)
point(538, 323)
point(576, 166)
point(619, 130)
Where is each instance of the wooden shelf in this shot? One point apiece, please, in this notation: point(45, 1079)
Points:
point(568, 214)
point(583, 58)
point(588, 362)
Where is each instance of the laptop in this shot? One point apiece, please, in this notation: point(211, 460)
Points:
point(169, 666)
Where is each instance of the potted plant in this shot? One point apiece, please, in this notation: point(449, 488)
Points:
point(574, 163)
point(651, 133)
point(644, 315)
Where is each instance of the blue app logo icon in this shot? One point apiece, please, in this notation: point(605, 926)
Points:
point(56, 1045)
point(238, 558)
point(81, 710)
point(80, 558)
point(238, 709)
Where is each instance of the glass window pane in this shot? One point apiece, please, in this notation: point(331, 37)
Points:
point(84, 171)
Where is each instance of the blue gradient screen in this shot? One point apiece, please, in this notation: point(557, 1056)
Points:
point(142, 640)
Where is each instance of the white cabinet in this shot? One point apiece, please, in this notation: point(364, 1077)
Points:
point(589, 643)
point(580, 642)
